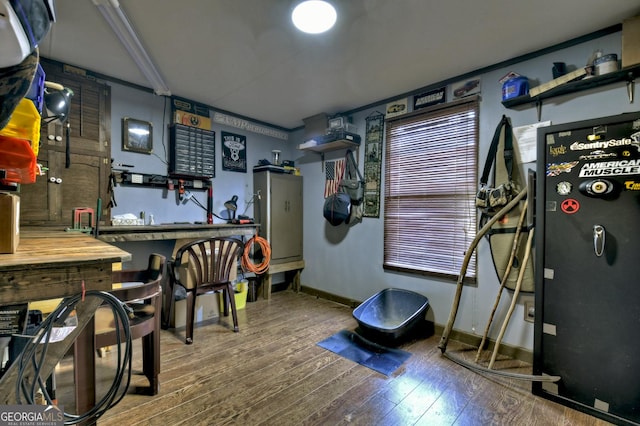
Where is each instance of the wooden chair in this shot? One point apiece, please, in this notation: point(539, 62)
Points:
point(142, 292)
point(202, 266)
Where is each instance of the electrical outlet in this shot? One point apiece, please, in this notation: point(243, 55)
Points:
point(529, 310)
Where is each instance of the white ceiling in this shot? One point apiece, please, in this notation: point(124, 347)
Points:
point(244, 56)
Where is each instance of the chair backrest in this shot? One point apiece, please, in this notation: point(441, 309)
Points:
point(150, 280)
point(207, 262)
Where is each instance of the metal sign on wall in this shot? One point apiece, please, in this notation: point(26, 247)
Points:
point(432, 97)
point(248, 126)
point(189, 113)
point(234, 152)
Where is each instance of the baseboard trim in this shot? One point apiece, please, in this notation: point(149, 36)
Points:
point(511, 351)
point(330, 296)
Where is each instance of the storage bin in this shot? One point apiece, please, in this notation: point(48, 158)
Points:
point(25, 124)
point(514, 87)
point(254, 289)
point(36, 91)
point(240, 294)
point(17, 160)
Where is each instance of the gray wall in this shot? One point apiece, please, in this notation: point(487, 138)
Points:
point(163, 204)
point(347, 261)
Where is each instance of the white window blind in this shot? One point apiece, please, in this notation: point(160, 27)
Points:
point(430, 186)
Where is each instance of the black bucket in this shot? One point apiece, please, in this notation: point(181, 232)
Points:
point(254, 289)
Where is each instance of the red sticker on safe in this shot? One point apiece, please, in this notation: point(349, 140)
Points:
point(570, 206)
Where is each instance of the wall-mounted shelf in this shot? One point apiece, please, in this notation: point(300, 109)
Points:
point(128, 178)
point(332, 146)
point(341, 140)
point(627, 75)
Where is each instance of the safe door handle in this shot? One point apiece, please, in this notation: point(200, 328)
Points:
point(598, 239)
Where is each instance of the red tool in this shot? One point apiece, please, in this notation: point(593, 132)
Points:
point(180, 189)
point(210, 204)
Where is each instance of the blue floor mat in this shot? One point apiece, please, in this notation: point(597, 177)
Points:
point(353, 347)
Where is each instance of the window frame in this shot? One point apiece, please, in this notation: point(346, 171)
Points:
point(399, 242)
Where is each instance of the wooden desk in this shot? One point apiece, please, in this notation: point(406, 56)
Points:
point(118, 234)
point(51, 264)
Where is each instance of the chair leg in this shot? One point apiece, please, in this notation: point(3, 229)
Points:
point(151, 360)
point(234, 312)
point(151, 351)
point(191, 310)
point(167, 306)
point(225, 302)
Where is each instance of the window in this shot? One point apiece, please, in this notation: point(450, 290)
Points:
point(430, 187)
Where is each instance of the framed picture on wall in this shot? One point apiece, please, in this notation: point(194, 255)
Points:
point(137, 135)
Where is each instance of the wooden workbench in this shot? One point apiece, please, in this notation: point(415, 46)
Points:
point(118, 234)
point(51, 264)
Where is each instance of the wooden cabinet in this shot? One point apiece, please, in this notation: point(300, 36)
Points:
point(279, 212)
point(50, 201)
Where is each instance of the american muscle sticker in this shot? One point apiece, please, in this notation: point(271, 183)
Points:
point(611, 168)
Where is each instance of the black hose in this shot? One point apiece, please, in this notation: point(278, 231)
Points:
point(41, 339)
point(484, 370)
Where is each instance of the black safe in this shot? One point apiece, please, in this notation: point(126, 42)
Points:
point(587, 296)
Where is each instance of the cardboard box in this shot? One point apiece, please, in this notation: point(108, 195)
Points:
point(9, 222)
point(206, 308)
point(315, 126)
point(631, 42)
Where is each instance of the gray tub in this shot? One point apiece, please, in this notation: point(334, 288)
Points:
point(391, 314)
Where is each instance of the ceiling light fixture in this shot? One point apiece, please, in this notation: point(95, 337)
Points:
point(116, 18)
point(314, 16)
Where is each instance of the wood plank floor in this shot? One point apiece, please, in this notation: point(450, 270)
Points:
point(273, 373)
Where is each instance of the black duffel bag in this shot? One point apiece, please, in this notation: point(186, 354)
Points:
point(337, 208)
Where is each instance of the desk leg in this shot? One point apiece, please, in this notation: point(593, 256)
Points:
point(84, 358)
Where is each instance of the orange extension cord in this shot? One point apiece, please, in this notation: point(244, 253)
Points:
point(247, 263)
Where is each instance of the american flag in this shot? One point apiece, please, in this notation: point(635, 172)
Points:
point(334, 172)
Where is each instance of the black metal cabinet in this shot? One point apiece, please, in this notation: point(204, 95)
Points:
point(587, 266)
